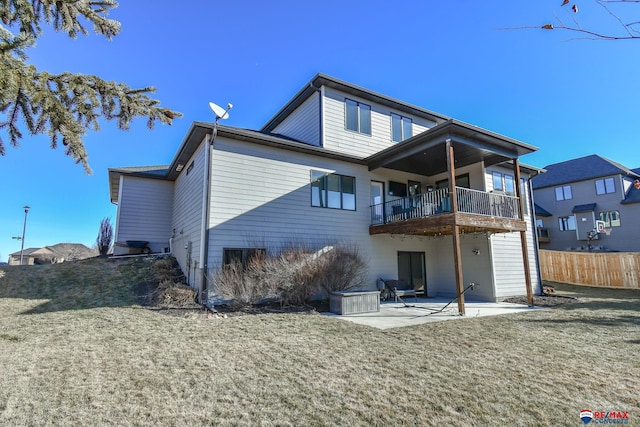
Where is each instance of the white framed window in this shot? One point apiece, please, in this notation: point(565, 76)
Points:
point(539, 222)
point(497, 182)
point(357, 116)
point(605, 186)
point(504, 183)
point(610, 218)
point(401, 127)
point(567, 223)
point(563, 193)
point(330, 190)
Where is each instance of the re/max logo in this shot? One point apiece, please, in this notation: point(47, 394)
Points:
point(611, 414)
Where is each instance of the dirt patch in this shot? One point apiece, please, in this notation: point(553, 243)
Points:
point(312, 307)
point(544, 300)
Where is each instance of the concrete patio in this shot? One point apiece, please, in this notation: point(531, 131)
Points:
point(423, 310)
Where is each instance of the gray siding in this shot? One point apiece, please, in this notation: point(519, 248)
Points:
point(261, 197)
point(187, 216)
point(338, 138)
point(144, 213)
point(506, 249)
point(475, 268)
point(303, 124)
point(625, 238)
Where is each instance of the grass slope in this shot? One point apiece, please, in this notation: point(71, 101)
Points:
point(76, 349)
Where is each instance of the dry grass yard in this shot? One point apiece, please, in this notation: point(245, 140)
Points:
point(76, 348)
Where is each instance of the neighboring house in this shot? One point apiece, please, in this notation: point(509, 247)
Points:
point(339, 162)
point(572, 195)
point(31, 256)
point(57, 253)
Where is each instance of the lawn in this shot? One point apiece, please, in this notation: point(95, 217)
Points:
point(77, 349)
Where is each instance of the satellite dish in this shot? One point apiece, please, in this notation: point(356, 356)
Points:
point(220, 112)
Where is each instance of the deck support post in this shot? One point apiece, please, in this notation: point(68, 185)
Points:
point(523, 234)
point(457, 255)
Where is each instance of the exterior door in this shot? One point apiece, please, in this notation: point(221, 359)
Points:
point(411, 268)
point(377, 202)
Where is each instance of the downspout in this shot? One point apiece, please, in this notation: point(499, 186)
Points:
point(204, 232)
point(532, 211)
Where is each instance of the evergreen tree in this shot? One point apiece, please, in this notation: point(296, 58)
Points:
point(63, 106)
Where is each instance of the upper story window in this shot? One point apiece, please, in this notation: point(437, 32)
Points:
point(401, 128)
point(610, 218)
point(505, 183)
point(333, 191)
point(358, 116)
point(563, 193)
point(567, 223)
point(605, 186)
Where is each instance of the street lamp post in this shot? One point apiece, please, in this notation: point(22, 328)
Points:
point(24, 229)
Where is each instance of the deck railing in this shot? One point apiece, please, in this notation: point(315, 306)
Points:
point(439, 201)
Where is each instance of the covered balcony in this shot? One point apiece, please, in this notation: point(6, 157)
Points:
point(431, 213)
point(453, 210)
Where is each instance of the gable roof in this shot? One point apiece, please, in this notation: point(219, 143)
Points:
point(633, 194)
point(351, 89)
point(33, 252)
point(580, 169)
point(59, 250)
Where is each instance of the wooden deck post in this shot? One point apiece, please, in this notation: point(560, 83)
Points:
point(457, 256)
point(523, 234)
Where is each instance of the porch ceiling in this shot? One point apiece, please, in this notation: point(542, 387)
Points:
point(425, 154)
point(442, 225)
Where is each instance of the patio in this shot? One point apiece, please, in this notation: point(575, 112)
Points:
point(424, 310)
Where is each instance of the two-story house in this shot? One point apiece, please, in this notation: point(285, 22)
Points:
point(426, 198)
point(572, 197)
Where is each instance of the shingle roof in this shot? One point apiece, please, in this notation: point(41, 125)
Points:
point(580, 169)
point(540, 211)
point(589, 207)
point(633, 195)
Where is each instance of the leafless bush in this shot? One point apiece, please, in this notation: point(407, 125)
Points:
point(172, 294)
point(293, 275)
point(105, 236)
point(341, 269)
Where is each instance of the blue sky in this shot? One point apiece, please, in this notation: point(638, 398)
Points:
point(568, 97)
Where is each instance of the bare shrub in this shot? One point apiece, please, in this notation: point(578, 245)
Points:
point(172, 294)
point(105, 237)
point(342, 269)
point(293, 275)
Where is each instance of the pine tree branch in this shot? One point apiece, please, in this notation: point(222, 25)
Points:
point(65, 105)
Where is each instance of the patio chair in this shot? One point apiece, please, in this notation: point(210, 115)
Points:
point(400, 288)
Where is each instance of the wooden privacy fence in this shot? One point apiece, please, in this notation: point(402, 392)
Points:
point(608, 270)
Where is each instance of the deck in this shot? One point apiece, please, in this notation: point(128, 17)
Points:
point(431, 213)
